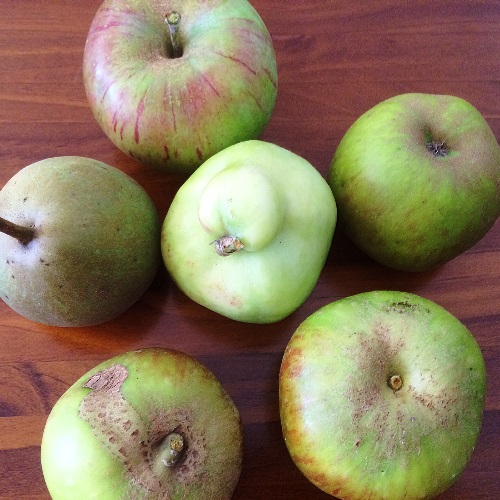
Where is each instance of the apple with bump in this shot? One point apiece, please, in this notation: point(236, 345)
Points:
point(79, 241)
point(382, 396)
point(152, 423)
point(171, 83)
point(417, 180)
point(247, 235)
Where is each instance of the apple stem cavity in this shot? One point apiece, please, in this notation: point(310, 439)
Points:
point(173, 20)
point(395, 382)
point(22, 234)
point(173, 448)
point(227, 245)
point(437, 149)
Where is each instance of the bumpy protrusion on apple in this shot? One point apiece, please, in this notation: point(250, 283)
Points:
point(269, 212)
point(230, 209)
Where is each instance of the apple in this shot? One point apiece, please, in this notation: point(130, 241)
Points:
point(79, 241)
point(247, 235)
point(152, 423)
point(381, 397)
point(417, 180)
point(171, 83)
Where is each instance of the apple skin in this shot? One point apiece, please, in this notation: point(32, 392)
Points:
point(348, 431)
point(105, 442)
point(97, 244)
point(281, 210)
point(174, 113)
point(405, 207)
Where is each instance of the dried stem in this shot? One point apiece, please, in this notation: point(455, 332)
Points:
point(22, 234)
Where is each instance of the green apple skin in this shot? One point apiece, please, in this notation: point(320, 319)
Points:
point(175, 112)
point(405, 207)
point(96, 248)
point(277, 205)
point(105, 437)
point(351, 433)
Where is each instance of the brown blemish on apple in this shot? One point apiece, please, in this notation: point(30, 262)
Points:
point(292, 364)
point(136, 443)
point(376, 355)
point(372, 409)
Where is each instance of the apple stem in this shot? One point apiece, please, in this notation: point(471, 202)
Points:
point(22, 234)
point(227, 245)
point(173, 20)
point(395, 382)
point(173, 448)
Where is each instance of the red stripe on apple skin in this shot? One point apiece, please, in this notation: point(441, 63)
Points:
point(271, 79)
point(251, 33)
point(259, 104)
point(210, 84)
point(101, 28)
point(105, 93)
point(167, 152)
point(140, 110)
point(115, 121)
point(172, 109)
point(199, 153)
point(237, 61)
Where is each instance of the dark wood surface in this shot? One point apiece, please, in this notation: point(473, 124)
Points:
point(335, 60)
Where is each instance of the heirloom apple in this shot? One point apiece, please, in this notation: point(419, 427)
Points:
point(79, 241)
point(171, 83)
point(381, 397)
point(247, 235)
point(417, 180)
point(152, 423)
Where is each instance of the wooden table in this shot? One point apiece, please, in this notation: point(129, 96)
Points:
point(336, 59)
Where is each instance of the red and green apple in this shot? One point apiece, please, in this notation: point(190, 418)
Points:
point(171, 83)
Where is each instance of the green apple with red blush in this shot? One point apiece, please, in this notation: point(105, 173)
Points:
point(152, 423)
point(247, 235)
point(417, 180)
point(382, 396)
point(171, 83)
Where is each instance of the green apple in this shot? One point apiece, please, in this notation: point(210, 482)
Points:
point(172, 82)
point(382, 397)
point(247, 235)
point(417, 180)
point(79, 241)
point(147, 424)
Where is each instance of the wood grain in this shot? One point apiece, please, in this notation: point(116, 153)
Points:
point(335, 60)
